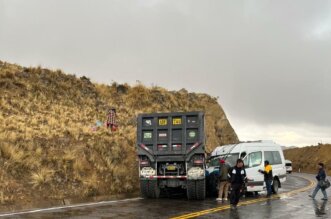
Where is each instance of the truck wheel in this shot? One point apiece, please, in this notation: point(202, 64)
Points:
point(200, 186)
point(275, 186)
point(144, 188)
point(153, 189)
point(190, 190)
point(149, 189)
point(196, 189)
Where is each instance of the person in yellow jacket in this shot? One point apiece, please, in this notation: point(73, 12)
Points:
point(268, 177)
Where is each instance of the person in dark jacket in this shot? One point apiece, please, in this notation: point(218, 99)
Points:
point(238, 177)
point(223, 181)
point(268, 177)
point(321, 176)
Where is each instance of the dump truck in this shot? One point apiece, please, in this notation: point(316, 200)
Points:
point(171, 152)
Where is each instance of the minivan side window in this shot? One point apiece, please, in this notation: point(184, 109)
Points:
point(253, 159)
point(268, 156)
point(273, 157)
point(277, 158)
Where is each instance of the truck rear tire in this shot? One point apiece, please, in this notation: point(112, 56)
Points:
point(196, 189)
point(201, 189)
point(149, 189)
point(190, 190)
point(144, 188)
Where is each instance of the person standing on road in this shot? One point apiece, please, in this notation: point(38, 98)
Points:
point(267, 177)
point(238, 177)
point(321, 176)
point(223, 181)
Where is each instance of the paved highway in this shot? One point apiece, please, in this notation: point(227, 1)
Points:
point(292, 202)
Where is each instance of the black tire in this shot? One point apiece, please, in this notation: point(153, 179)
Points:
point(153, 189)
point(200, 189)
point(190, 190)
point(275, 186)
point(144, 188)
point(196, 189)
point(149, 189)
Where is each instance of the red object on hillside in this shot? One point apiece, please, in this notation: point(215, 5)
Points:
point(111, 120)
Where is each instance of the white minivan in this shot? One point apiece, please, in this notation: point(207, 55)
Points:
point(289, 168)
point(254, 153)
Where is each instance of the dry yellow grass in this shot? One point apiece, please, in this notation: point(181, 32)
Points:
point(41, 177)
point(307, 158)
point(46, 139)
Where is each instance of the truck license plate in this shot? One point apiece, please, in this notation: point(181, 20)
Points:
point(171, 168)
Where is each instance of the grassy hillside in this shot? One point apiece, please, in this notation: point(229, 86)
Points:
point(47, 148)
point(307, 158)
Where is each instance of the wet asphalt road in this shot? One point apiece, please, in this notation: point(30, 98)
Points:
point(296, 205)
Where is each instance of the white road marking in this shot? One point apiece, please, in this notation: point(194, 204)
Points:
point(67, 207)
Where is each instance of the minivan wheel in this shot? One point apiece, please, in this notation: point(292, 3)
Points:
point(275, 186)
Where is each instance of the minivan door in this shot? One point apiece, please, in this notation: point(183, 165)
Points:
point(277, 163)
point(253, 163)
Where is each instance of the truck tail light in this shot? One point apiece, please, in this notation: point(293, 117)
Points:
point(177, 147)
point(162, 147)
point(144, 163)
point(198, 162)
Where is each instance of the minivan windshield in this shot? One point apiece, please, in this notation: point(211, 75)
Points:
point(229, 158)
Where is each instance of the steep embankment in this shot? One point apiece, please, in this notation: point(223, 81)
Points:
point(307, 158)
point(47, 148)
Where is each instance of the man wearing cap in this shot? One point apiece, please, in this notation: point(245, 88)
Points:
point(223, 181)
point(267, 177)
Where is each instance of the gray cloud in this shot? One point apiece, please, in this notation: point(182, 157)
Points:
point(268, 61)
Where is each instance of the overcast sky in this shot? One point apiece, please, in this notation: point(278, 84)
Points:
point(268, 61)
